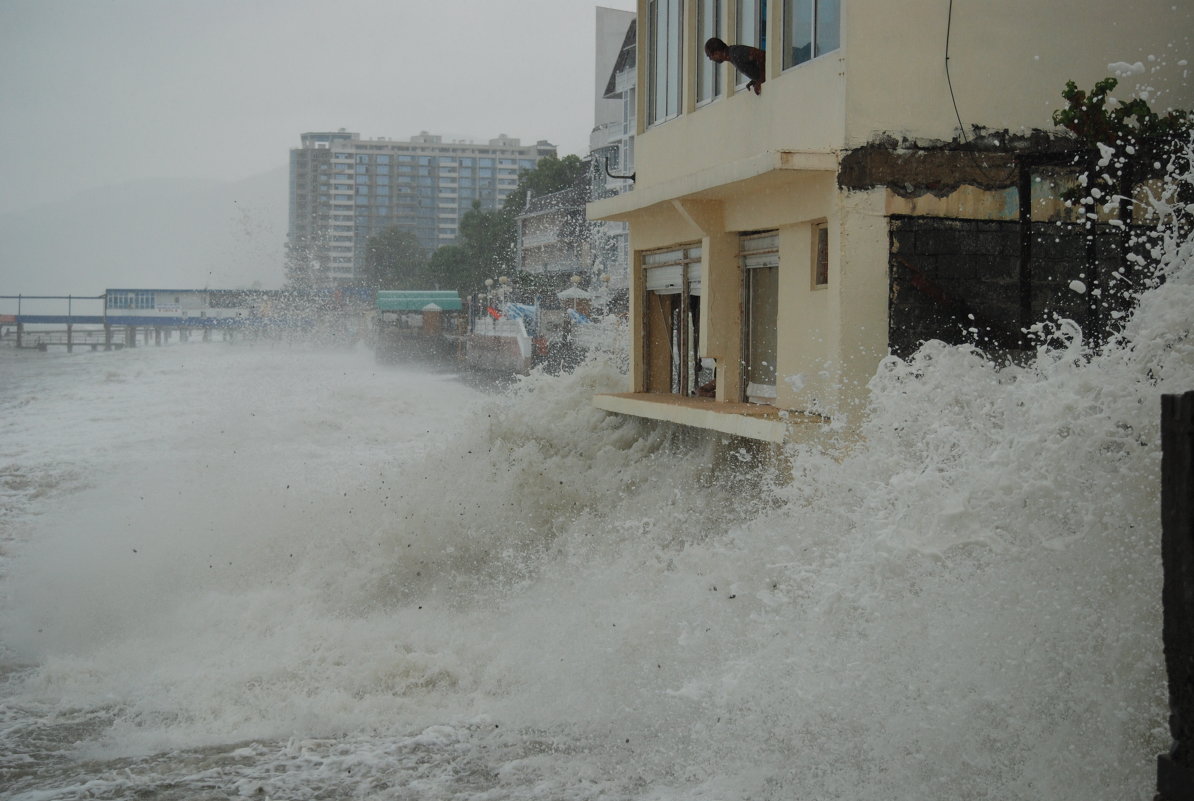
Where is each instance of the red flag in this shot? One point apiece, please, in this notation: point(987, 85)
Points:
point(494, 313)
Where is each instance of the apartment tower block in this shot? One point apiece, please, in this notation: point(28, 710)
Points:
point(344, 189)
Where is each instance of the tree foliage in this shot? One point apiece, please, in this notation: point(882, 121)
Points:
point(1097, 118)
point(1131, 139)
point(551, 174)
point(488, 237)
point(451, 267)
point(394, 260)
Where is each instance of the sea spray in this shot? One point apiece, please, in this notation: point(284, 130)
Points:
point(328, 580)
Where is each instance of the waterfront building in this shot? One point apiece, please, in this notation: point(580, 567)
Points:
point(345, 189)
point(898, 179)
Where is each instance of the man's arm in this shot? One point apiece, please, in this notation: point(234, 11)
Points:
point(758, 58)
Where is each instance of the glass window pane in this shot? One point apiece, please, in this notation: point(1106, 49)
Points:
point(752, 28)
point(708, 25)
point(664, 62)
point(829, 36)
point(798, 32)
point(763, 310)
point(675, 34)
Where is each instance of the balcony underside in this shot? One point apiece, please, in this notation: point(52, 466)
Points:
point(750, 420)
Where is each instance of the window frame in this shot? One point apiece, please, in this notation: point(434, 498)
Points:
point(709, 74)
point(816, 251)
point(758, 250)
point(758, 37)
point(669, 104)
point(680, 267)
point(815, 30)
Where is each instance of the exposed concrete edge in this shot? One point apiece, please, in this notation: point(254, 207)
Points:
point(727, 423)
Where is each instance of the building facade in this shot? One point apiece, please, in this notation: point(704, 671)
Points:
point(554, 235)
point(345, 189)
point(781, 241)
point(611, 143)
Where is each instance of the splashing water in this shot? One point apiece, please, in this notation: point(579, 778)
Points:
point(291, 574)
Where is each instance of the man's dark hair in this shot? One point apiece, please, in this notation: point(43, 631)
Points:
point(715, 45)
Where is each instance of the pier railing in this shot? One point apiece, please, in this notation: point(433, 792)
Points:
point(87, 322)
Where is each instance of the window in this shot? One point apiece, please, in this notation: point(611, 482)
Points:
point(665, 62)
point(752, 23)
point(131, 300)
point(820, 259)
point(760, 268)
point(672, 281)
point(752, 28)
point(709, 74)
point(811, 28)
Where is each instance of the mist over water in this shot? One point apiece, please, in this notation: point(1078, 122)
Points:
point(287, 573)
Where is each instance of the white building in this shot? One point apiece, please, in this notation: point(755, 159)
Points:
point(345, 189)
point(611, 143)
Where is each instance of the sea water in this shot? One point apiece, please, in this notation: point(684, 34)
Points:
point(273, 571)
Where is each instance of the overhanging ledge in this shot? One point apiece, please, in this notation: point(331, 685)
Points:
point(750, 420)
point(648, 194)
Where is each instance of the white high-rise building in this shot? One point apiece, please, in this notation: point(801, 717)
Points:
point(345, 189)
point(611, 143)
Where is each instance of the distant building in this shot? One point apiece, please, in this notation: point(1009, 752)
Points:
point(344, 189)
point(611, 143)
point(554, 235)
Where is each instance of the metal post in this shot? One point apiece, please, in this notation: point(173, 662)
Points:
point(1175, 770)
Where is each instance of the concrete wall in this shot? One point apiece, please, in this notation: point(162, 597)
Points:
point(1009, 60)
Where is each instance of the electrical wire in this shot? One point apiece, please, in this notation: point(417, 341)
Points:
point(949, 20)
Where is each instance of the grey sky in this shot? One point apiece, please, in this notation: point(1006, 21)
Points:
point(96, 92)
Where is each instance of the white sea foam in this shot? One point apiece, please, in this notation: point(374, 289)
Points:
point(282, 572)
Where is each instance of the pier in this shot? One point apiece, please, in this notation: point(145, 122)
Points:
point(106, 330)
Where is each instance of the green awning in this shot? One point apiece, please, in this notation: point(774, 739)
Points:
point(417, 299)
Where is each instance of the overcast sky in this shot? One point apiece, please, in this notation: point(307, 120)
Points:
point(97, 92)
